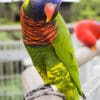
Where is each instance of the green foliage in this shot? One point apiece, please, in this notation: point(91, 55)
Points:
point(8, 12)
point(86, 9)
point(7, 36)
point(13, 87)
point(14, 7)
point(4, 36)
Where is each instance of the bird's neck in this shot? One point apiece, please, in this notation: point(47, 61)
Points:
point(37, 33)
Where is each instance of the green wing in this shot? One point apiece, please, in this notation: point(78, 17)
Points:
point(64, 50)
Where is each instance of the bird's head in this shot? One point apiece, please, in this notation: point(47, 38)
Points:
point(42, 9)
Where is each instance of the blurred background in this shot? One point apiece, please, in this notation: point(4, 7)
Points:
point(14, 58)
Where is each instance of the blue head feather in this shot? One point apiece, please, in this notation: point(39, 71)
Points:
point(54, 1)
point(37, 8)
point(40, 3)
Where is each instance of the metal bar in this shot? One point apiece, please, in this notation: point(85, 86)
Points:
point(89, 88)
point(84, 54)
point(11, 28)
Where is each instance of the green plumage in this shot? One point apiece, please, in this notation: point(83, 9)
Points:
point(57, 64)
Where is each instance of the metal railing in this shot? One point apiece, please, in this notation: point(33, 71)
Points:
point(11, 28)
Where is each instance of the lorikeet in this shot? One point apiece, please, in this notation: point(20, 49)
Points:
point(48, 42)
point(88, 32)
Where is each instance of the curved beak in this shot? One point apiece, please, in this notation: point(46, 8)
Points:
point(49, 10)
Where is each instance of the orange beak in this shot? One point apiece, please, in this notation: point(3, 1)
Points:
point(49, 10)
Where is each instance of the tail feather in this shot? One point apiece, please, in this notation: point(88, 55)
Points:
point(83, 96)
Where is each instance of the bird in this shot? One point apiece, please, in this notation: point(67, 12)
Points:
point(87, 32)
point(48, 42)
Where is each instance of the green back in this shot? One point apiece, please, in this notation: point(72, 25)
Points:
point(65, 52)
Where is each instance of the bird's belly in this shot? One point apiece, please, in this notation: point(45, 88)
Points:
point(59, 76)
